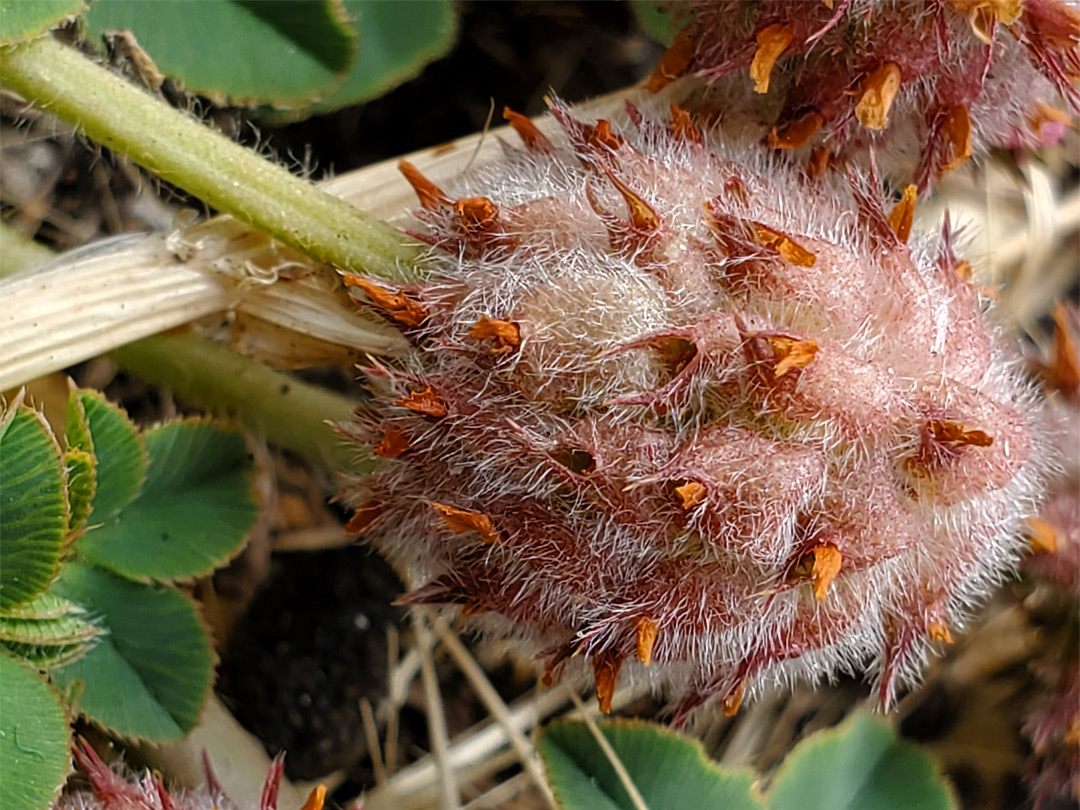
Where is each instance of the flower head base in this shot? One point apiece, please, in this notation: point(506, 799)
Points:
point(683, 415)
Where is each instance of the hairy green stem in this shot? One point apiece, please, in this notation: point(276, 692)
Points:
point(287, 411)
point(182, 150)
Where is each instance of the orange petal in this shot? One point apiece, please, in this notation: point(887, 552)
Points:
point(506, 334)
point(772, 40)
point(791, 353)
point(393, 443)
point(461, 521)
point(1042, 537)
point(363, 517)
point(606, 666)
point(424, 401)
point(395, 304)
point(939, 631)
point(827, 562)
point(533, 138)
point(734, 700)
point(682, 127)
point(795, 133)
point(315, 799)
point(903, 214)
point(673, 63)
point(784, 245)
point(957, 128)
point(646, 631)
point(946, 431)
point(879, 90)
point(431, 196)
point(691, 494)
point(477, 214)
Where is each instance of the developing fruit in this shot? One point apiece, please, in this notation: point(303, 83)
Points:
point(681, 413)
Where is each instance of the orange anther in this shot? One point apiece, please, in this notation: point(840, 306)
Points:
point(795, 133)
point(505, 334)
point(431, 196)
point(461, 521)
point(903, 214)
point(772, 40)
point(879, 90)
point(425, 401)
point(646, 631)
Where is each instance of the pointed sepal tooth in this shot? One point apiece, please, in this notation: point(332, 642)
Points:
point(431, 196)
point(531, 136)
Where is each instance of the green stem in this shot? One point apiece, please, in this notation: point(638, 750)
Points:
point(287, 411)
point(18, 251)
point(182, 150)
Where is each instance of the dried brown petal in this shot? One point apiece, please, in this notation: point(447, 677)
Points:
point(682, 127)
point(939, 631)
point(879, 90)
point(827, 563)
point(478, 214)
point(953, 434)
point(461, 521)
point(791, 353)
point(506, 335)
point(393, 444)
point(363, 517)
point(691, 494)
point(606, 666)
point(315, 799)
point(772, 40)
point(424, 401)
point(646, 631)
point(795, 133)
point(957, 129)
point(673, 63)
point(903, 214)
point(733, 701)
point(395, 304)
point(784, 245)
point(1042, 537)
